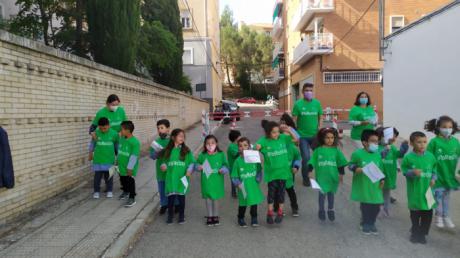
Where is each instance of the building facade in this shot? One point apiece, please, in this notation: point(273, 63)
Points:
point(334, 44)
point(201, 59)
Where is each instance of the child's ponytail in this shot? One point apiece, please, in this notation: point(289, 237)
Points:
point(431, 126)
point(434, 124)
point(268, 126)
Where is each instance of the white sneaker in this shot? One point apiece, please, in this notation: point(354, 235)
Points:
point(448, 222)
point(439, 222)
point(109, 195)
point(96, 195)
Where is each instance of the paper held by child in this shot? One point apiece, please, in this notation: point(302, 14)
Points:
point(184, 182)
point(373, 172)
point(251, 156)
point(429, 198)
point(207, 168)
point(156, 146)
point(315, 185)
point(388, 134)
point(243, 190)
point(113, 170)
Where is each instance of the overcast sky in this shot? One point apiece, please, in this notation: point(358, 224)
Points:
point(250, 11)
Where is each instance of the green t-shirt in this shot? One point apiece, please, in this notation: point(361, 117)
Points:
point(104, 147)
point(326, 162)
point(232, 154)
point(126, 149)
point(447, 152)
point(362, 188)
point(247, 174)
point(390, 166)
point(293, 154)
point(213, 187)
point(276, 158)
point(162, 142)
point(176, 170)
point(307, 113)
point(418, 186)
point(115, 118)
point(358, 113)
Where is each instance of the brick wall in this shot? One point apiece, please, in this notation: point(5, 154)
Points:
point(47, 101)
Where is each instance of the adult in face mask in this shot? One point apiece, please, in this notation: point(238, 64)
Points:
point(362, 117)
point(112, 111)
point(308, 113)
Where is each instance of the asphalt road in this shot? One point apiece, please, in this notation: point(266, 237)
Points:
point(304, 236)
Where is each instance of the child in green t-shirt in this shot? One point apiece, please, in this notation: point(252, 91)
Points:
point(129, 151)
point(247, 177)
point(155, 148)
point(212, 182)
point(102, 153)
point(329, 164)
point(363, 190)
point(178, 165)
point(232, 152)
point(446, 148)
point(419, 169)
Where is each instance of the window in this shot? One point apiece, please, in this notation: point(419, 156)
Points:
point(187, 57)
point(352, 77)
point(186, 19)
point(396, 23)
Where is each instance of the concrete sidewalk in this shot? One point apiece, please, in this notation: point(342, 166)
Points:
point(84, 227)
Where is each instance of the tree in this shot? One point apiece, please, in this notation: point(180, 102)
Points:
point(113, 31)
point(262, 58)
point(229, 42)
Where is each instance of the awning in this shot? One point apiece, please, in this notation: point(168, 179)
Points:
point(276, 62)
point(277, 10)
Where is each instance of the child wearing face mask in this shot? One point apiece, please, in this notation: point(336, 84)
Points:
point(368, 194)
point(446, 148)
point(212, 182)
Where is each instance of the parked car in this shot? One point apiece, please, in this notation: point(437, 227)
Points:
point(226, 106)
point(247, 100)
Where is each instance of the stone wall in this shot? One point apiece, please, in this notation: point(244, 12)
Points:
point(47, 101)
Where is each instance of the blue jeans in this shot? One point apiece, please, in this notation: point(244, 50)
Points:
point(304, 144)
point(163, 197)
point(330, 201)
point(442, 197)
point(98, 175)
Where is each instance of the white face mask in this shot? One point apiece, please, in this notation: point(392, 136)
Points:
point(446, 132)
point(211, 147)
point(373, 147)
point(113, 108)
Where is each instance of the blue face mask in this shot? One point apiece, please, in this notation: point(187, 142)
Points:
point(363, 101)
point(373, 147)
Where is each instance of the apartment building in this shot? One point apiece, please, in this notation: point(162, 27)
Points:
point(201, 58)
point(334, 44)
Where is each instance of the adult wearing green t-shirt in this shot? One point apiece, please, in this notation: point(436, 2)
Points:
point(113, 111)
point(308, 112)
point(362, 117)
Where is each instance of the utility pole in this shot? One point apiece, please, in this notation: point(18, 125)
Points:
point(381, 28)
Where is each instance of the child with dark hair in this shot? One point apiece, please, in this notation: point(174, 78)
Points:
point(102, 153)
point(419, 168)
point(155, 148)
point(329, 163)
point(446, 148)
point(390, 155)
point(232, 152)
point(368, 194)
point(212, 185)
point(178, 164)
point(247, 177)
point(129, 151)
point(274, 147)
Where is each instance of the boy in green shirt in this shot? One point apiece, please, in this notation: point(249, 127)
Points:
point(102, 153)
point(232, 152)
point(419, 169)
point(363, 190)
point(128, 162)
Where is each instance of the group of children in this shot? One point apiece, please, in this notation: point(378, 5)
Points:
point(430, 171)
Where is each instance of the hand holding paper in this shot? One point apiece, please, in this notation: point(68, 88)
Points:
point(315, 185)
point(373, 172)
point(207, 168)
point(243, 190)
point(388, 134)
point(251, 156)
point(184, 182)
point(156, 146)
point(429, 198)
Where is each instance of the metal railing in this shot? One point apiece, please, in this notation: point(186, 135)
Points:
point(277, 27)
point(307, 8)
point(321, 43)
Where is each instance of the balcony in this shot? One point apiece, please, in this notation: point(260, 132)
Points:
point(277, 28)
point(307, 9)
point(278, 50)
point(316, 44)
point(278, 74)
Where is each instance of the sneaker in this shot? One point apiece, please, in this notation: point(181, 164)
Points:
point(216, 221)
point(96, 195)
point(448, 223)
point(366, 230)
point(242, 223)
point(295, 213)
point(254, 222)
point(270, 219)
point(163, 210)
point(322, 215)
point(169, 221)
point(130, 203)
point(181, 221)
point(374, 230)
point(331, 215)
point(123, 196)
point(422, 239)
point(109, 195)
point(439, 222)
point(413, 239)
point(209, 222)
point(392, 200)
point(279, 218)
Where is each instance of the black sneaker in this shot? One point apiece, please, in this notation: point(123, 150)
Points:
point(322, 215)
point(181, 221)
point(242, 223)
point(331, 215)
point(422, 239)
point(295, 213)
point(209, 222)
point(413, 239)
point(215, 221)
point(254, 222)
point(392, 200)
point(130, 203)
point(366, 230)
point(373, 230)
point(279, 218)
point(163, 210)
point(169, 221)
point(123, 196)
point(269, 219)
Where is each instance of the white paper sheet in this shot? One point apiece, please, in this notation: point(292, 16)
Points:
point(243, 190)
point(388, 134)
point(113, 170)
point(429, 198)
point(251, 156)
point(315, 184)
point(373, 172)
point(184, 182)
point(156, 146)
point(207, 170)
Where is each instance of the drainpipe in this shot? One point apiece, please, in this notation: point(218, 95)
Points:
point(381, 29)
